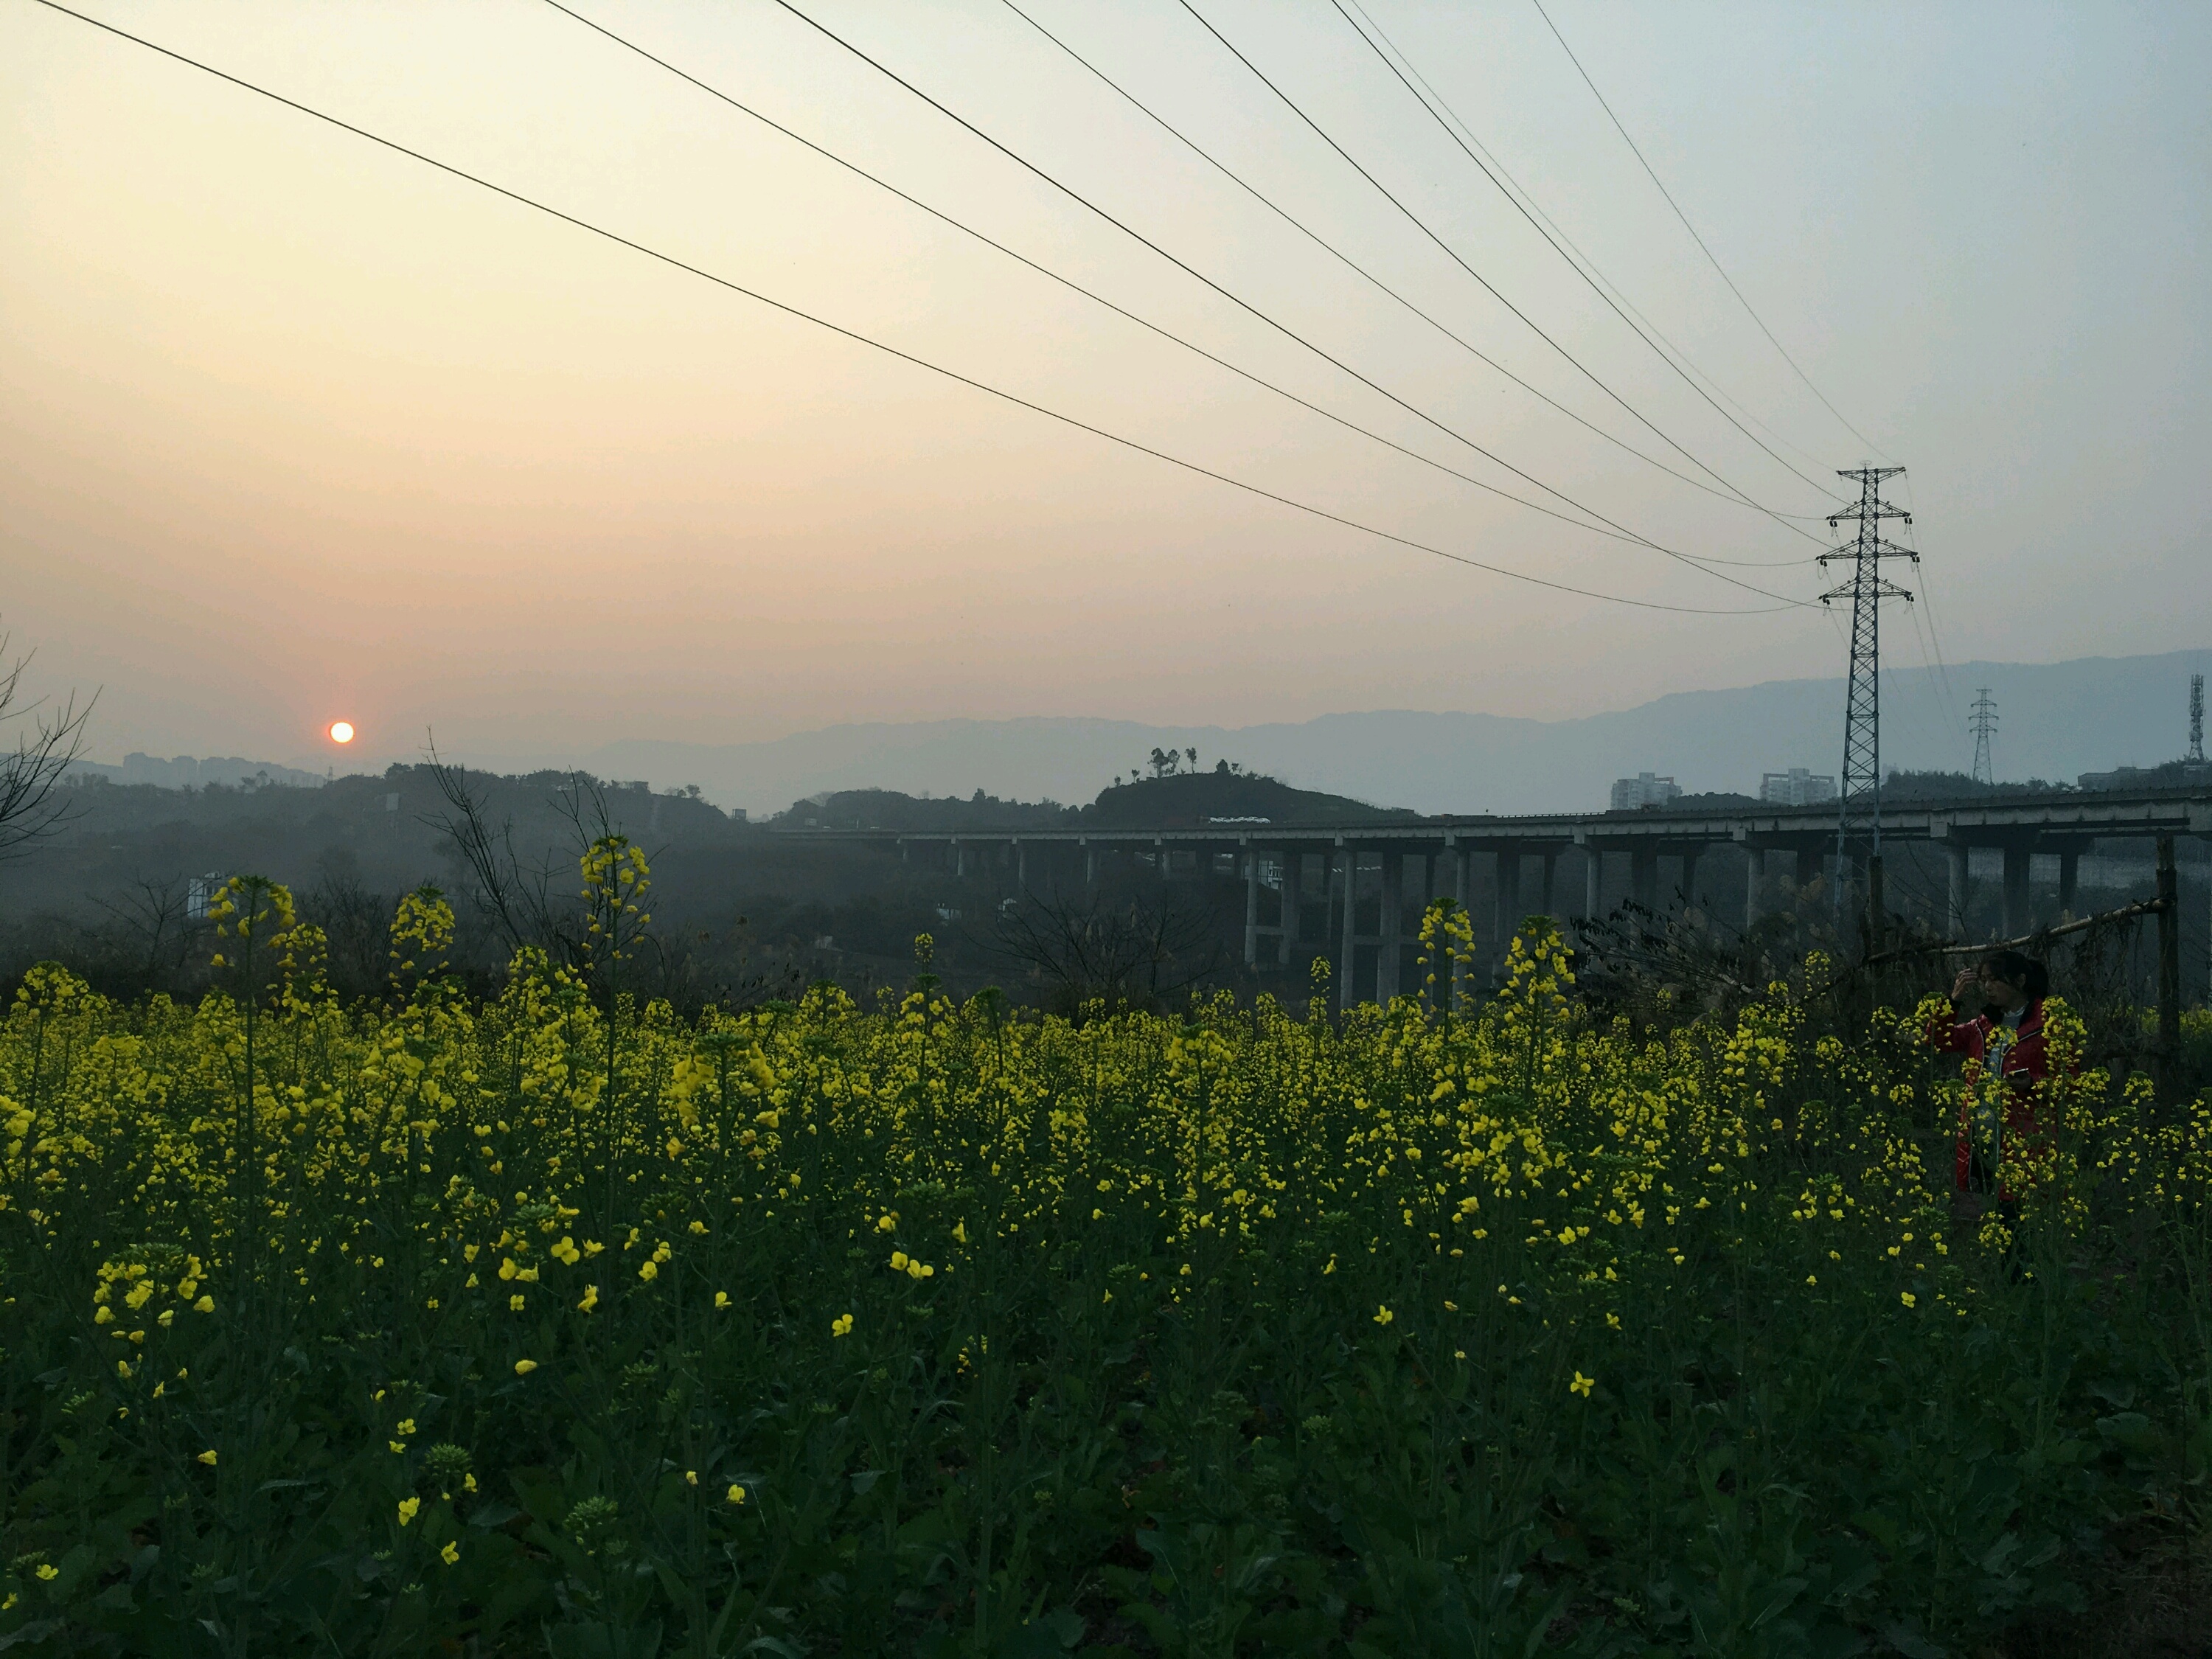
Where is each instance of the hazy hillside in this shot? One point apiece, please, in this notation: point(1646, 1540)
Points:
point(2057, 719)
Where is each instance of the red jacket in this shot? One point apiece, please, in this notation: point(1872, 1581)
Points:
point(2024, 1063)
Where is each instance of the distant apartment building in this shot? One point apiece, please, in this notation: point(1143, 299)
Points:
point(1644, 789)
point(1796, 788)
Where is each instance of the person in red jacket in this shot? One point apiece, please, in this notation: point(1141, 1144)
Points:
point(1997, 1021)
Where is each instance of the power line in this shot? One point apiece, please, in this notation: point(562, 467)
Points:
point(1540, 231)
point(1368, 277)
point(1530, 201)
point(1242, 304)
point(858, 338)
point(1067, 282)
point(1710, 255)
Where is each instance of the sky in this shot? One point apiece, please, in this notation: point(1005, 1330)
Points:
point(293, 428)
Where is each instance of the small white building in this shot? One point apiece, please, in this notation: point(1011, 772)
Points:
point(1796, 788)
point(1644, 789)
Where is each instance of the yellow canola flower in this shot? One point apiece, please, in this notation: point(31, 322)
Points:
point(207, 1457)
point(721, 1298)
point(205, 1305)
point(1384, 1315)
point(735, 1494)
point(524, 1367)
point(591, 1299)
point(648, 1271)
point(1582, 1385)
point(842, 1326)
point(450, 1553)
point(408, 1506)
point(48, 1572)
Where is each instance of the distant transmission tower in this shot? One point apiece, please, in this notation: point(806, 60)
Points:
point(1858, 815)
point(2197, 718)
point(1983, 726)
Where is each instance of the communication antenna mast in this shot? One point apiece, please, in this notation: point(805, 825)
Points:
point(1858, 815)
point(1983, 726)
point(2196, 719)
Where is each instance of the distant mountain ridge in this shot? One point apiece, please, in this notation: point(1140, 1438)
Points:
point(2058, 720)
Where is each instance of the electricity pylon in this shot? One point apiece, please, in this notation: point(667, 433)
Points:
point(2196, 719)
point(1858, 815)
point(1983, 726)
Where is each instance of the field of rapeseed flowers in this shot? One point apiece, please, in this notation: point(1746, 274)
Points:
point(556, 1323)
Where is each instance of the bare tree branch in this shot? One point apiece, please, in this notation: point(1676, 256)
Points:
point(48, 742)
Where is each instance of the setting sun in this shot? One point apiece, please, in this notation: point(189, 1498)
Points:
point(340, 730)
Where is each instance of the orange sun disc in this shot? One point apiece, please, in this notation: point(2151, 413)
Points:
point(340, 730)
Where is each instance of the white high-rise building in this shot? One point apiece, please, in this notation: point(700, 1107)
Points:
point(1796, 788)
point(1644, 789)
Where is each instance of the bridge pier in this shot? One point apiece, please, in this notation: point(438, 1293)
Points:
point(1551, 883)
point(1959, 894)
point(1391, 944)
point(2069, 878)
point(1689, 857)
point(1643, 878)
point(1808, 867)
point(1507, 864)
point(1286, 937)
point(1593, 881)
point(1251, 907)
point(1346, 993)
point(1755, 861)
point(2015, 889)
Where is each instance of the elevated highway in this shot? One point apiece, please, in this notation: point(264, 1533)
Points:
point(1290, 870)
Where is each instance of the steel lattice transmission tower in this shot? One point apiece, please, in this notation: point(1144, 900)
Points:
point(1983, 726)
point(2197, 718)
point(1858, 815)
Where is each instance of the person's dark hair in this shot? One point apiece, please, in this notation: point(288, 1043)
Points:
point(2025, 971)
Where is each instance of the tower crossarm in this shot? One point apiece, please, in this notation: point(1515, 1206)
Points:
point(1876, 549)
point(1877, 589)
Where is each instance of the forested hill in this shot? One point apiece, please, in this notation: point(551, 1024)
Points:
point(1180, 801)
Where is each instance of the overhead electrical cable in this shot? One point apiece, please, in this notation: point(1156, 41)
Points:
point(1464, 150)
point(1242, 304)
point(1711, 256)
point(1691, 560)
point(1365, 275)
point(1533, 205)
point(858, 338)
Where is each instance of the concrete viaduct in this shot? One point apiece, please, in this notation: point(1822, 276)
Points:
point(1315, 865)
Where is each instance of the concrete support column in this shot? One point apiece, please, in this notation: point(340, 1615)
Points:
point(1690, 876)
point(1166, 858)
point(959, 857)
point(1287, 938)
point(1463, 886)
point(1808, 867)
point(1551, 884)
point(1251, 907)
point(1754, 861)
point(1960, 896)
point(1345, 995)
point(1593, 883)
point(1643, 878)
point(1022, 865)
point(1509, 895)
point(2069, 878)
point(2015, 891)
point(1090, 864)
point(1392, 945)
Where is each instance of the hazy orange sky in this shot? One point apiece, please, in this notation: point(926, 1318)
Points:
point(292, 428)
